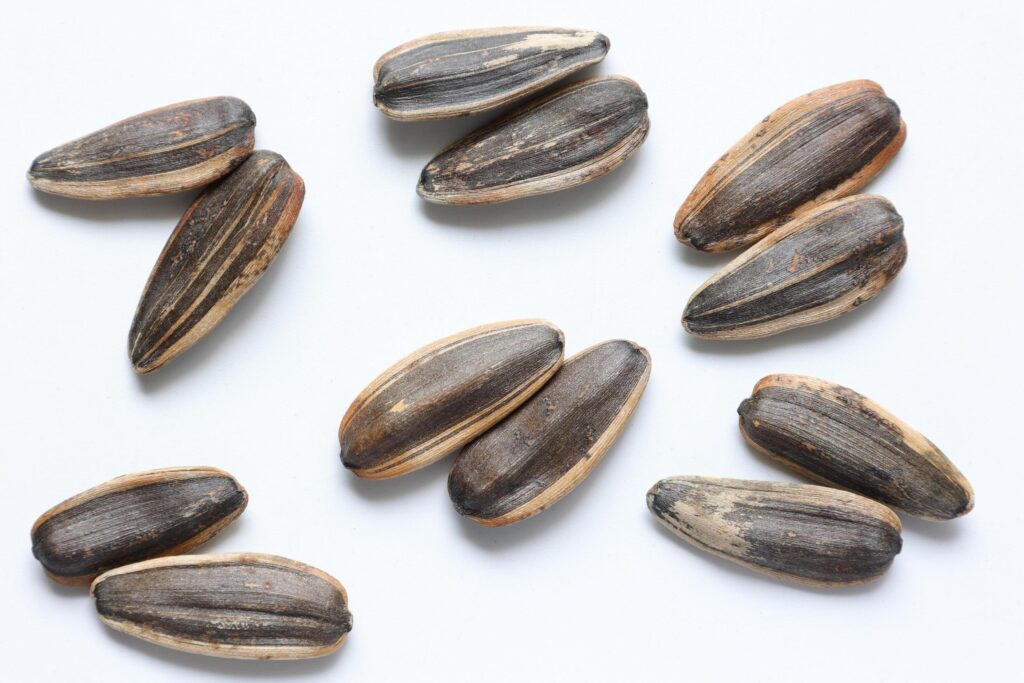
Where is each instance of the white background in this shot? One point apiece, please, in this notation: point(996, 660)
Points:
point(592, 589)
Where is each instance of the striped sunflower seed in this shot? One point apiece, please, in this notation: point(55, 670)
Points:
point(571, 137)
point(173, 149)
point(837, 437)
point(822, 146)
point(442, 396)
point(796, 532)
point(135, 517)
point(546, 448)
point(821, 265)
point(221, 247)
point(459, 73)
point(237, 605)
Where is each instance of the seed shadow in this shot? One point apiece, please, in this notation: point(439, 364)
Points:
point(424, 139)
point(811, 334)
point(210, 346)
point(705, 259)
point(941, 532)
point(233, 668)
point(542, 209)
point(64, 591)
point(382, 490)
point(742, 573)
point(164, 211)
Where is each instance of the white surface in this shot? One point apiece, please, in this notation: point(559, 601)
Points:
point(593, 589)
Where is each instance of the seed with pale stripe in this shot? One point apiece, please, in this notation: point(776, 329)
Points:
point(796, 532)
point(221, 247)
point(442, 396)
point(135, 517)
point(566, 139)
point(822, 146)
point(173, 149)
point(237, 605)
point(821, 265)
point(837, 437)
point(545, 449)
point(459, 73)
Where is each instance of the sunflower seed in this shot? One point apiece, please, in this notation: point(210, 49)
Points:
point(238, 605)
point(442, 396)
point(546, 448)
point(173, 149)
point(837, 437)
point(135, 517)
point(467, 72)
point(566, 139)
point(222, 245)
point(797, 532)
point(825, 263)
point(822, 146)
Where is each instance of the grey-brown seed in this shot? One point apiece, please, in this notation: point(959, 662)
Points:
point(822, 146)
point(821, 265)
point(172, 149)
point(460, 73)
point(796, 532)
point(135, 517)
point(237, 605)
point(442, 396)
point(837, 437)
point(568, 138)
point(548, 446)
point(221, 247)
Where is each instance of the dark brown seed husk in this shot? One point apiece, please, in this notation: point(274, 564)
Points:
point(135, 517)
point(237, 605)
point(566, 139)
point(444, 395)
point(837, 437)
point(821, 265)
point(822, 146)
point(546, 448)
point(460, 73)
point(221, 247)
point(796, 532)
point(172, 149)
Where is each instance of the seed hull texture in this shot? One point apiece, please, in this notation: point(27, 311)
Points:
point(821, 265)
point(173, 149)
point(795, 532)
point(546, 448)
point(460, 73)
point(568, 138)
point(837, 437)
point(221, 247)
point(135, 517)
point(237, 605)
point(822, 146)
point(442, 396)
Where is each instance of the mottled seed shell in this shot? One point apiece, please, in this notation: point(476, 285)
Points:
point(135, 517)
point(237, 605)
point(796, 532)
point(221, 247)
point(442, 396)
point(566, 139)
point(825, 263)
point(546, 448)
point(173, 149)
point(459, 73)
point(822, 146)
point(837, 437)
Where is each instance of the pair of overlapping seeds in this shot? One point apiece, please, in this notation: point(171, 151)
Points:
point(562, 140)
point(127, 537)
point(530, 427)
point(787, 188)
point(227, 238)
point(836, 534)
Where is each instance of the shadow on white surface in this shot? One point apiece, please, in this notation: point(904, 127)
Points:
point(703, 259)
point(941, 532)
point(383, 490)
point(160, 211)
point(424, 139)
point(224, 334)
